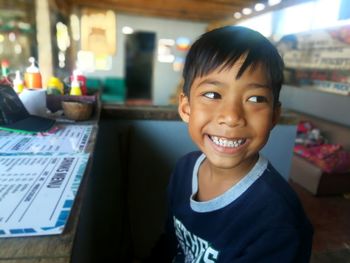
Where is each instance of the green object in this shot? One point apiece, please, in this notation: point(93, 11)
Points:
point(93, 84)
point(53, 91)
point(108, 98)
point(5, 71)
point(21, 131)
point(114, 90)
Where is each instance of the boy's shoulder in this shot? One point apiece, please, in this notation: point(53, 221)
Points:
point(277, 196)
point(271, 189)
point(277, 186)
point(181, 177)
point(184, 168)
point(188, 159)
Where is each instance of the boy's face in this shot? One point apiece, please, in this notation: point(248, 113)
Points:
point(230, 119)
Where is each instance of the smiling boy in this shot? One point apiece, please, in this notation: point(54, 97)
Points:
point(226, 202)
point(229, 119)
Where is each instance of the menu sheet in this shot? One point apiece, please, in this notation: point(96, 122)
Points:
point(37, 192)
point(67, 139)
point(39, 179)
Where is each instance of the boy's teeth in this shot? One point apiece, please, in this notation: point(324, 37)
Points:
point(227, 143)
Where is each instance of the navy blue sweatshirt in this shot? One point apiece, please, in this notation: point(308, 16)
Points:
point(260, 219)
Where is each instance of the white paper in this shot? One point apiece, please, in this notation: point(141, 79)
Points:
point(68, 139)
point(37, 192)
point(34, 101)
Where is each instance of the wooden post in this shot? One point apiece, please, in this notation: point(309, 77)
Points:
point(43, 34)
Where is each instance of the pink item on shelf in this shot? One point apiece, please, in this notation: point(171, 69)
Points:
point(331, 158)
point(304, 127)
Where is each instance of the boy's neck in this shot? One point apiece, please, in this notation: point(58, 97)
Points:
point(214, 181)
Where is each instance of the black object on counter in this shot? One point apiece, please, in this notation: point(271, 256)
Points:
point(15, 117)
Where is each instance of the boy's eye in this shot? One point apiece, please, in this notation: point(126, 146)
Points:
point(212, 95)
point(257, 99)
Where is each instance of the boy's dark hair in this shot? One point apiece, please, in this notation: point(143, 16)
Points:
point(222, 47)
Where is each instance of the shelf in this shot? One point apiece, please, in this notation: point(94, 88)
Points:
point(325, 105)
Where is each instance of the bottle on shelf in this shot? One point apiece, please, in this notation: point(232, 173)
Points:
point(18, 82)
point(77, 73)
point(75, 87)
point(32, 76)
point(5, 70)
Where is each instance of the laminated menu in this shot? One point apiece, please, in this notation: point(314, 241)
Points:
point(67, 139)
point(37, 192)
point(39, 178)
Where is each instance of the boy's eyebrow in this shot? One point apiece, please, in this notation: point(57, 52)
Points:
point(258, 85)
point(212, 82)
point(219, 83)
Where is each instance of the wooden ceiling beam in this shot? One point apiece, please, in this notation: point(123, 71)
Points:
point(158, 13)
point(181, 9)
point(171, 5)
point(211, 11)
point(241, 3)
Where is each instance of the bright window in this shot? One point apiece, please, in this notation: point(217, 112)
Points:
point(262, 24)
point(326, 13)
point(295, 19)
point(308, 16)
point(298, 18)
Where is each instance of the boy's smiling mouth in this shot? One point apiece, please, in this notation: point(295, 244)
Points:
point(227, 143)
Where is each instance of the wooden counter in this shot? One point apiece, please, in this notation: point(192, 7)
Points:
point(152, 112)
point(53, 248)
point(132, 112)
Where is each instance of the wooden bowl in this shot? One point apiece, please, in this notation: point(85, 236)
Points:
point(77, 110)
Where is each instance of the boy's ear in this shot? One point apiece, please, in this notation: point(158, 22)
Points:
point(276, 113)
point(184, 107)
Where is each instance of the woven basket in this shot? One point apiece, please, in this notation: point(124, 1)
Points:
point(77, 110)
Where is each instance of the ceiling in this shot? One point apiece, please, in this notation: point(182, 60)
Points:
point(196, 10)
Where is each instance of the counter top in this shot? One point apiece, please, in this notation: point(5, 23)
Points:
point(152, 112)
point(133, 112)
point(54, 248)
point(50, 248)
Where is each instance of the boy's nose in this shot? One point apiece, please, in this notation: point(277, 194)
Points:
point(231, 114)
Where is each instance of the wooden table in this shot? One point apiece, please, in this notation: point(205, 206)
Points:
point(53, 248)
point(133, 112)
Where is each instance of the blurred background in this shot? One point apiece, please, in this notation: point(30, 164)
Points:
point(134, 51)
point(122, 39)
